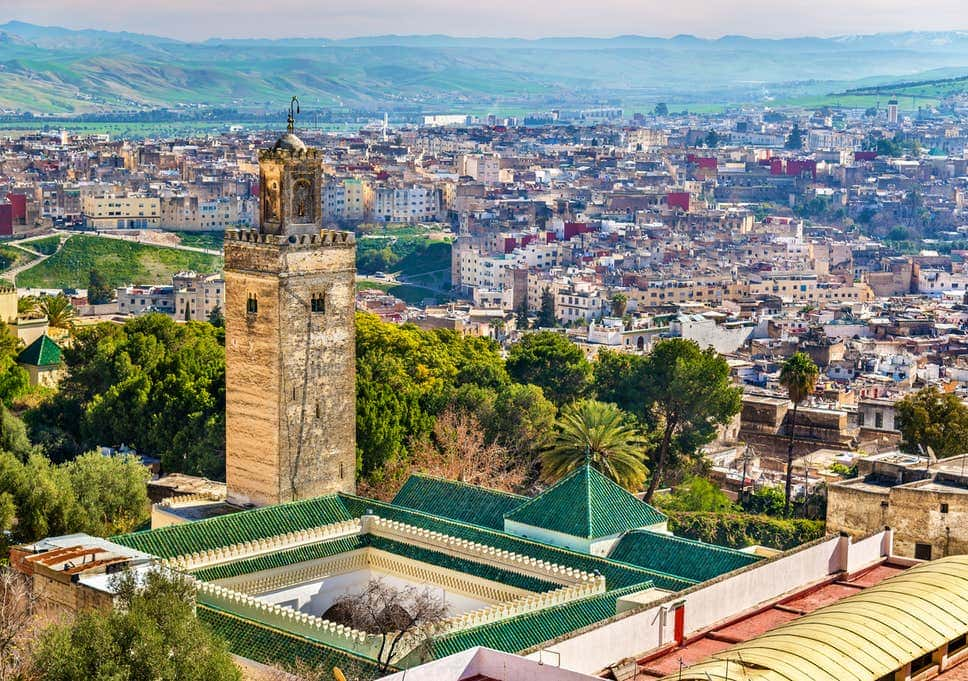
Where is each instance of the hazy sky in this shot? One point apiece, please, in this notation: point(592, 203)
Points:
point(198, 19)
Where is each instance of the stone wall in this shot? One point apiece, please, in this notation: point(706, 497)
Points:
point(290, 366)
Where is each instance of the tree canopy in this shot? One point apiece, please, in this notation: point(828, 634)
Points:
point(154, 634)
point(95, 494)
point(931, 418)
point(552, 362)
point(152, 384)
point(679, 391)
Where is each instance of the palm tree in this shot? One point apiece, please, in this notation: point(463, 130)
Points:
point(59, 312)
point(27, 307)
point(601, 435)
point(799, 376)
point(619, 304)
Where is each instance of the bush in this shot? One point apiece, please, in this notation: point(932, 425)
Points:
point(739, 530)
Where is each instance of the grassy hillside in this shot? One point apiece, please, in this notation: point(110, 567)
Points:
point(54, 70)
point(10, 256)
point(121, 262)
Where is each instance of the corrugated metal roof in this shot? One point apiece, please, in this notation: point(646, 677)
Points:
point(862, 637)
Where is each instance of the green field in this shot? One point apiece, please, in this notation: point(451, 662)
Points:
point(210, 240)
point(121, 262)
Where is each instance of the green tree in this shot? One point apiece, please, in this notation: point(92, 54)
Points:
point(712, 139)
point(546, 313)
point(98, 290)
point(405, 377)
point(94, 494)
point(216, 318)
point(111, 491)
point(552, 362)
point(935, 419)
point(59, 312)
point(661, 109)
point(14, 380)
point(154, 634)
point(768, 501)
point(795, 139)
point(13, 435)
point(523, 420)
point(152, 384)
point(680, 392)
point(799, 376)
point(619, 304)
point(698, 495)
point(599, 434)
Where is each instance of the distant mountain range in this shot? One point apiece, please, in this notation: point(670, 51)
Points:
point(57, 70)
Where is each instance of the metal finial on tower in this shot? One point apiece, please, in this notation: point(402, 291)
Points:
point(293, 110)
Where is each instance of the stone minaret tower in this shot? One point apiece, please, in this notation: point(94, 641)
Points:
point(290, 346)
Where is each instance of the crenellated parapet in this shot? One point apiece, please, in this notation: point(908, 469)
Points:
point(283, 542)
point(325, 237)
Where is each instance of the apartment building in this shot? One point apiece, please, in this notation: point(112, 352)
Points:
point(122, 212)
point(406, 204)
point(192, 214)
point(347, 199)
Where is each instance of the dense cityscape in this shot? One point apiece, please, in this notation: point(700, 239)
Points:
point(585, 391)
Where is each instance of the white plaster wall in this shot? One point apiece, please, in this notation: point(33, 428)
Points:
point(637, 634)
point(316, 597)
point(491, 664)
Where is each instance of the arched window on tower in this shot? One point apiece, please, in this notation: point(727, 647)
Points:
point(252, 304)
point(318, 303)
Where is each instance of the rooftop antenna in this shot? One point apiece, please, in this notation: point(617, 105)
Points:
point(293, 110)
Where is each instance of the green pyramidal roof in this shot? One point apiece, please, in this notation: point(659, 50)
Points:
point(586, 504)
point(43, 352)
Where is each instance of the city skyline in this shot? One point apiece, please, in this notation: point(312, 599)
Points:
point(186, 20)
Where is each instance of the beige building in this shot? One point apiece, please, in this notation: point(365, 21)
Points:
point(122, 212)
point(191, 214)
point(347, 199)
point(196, 296)
point(926, 505)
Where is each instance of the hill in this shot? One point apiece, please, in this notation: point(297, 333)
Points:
point(121, 262)
point(56, 70)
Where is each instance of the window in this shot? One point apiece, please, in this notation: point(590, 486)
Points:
point(878, 419)
point(922, 551)
point(318, 303)
point(944, 508)
point(252, 304)
point(860, 419)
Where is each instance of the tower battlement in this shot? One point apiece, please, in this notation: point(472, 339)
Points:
point(325, 237)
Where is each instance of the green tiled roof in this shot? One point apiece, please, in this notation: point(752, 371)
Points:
point(331, 548)
point(687, 558)
point(43, 352)
point(586, 504)
point(225, 530)
point(272, 646)
point(617, 575)
point(524, 631)
point(457, 500)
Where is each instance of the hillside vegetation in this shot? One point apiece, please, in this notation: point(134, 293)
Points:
point(121, 262)
point(54, 70)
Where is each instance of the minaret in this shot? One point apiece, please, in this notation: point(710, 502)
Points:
point(290, 345)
